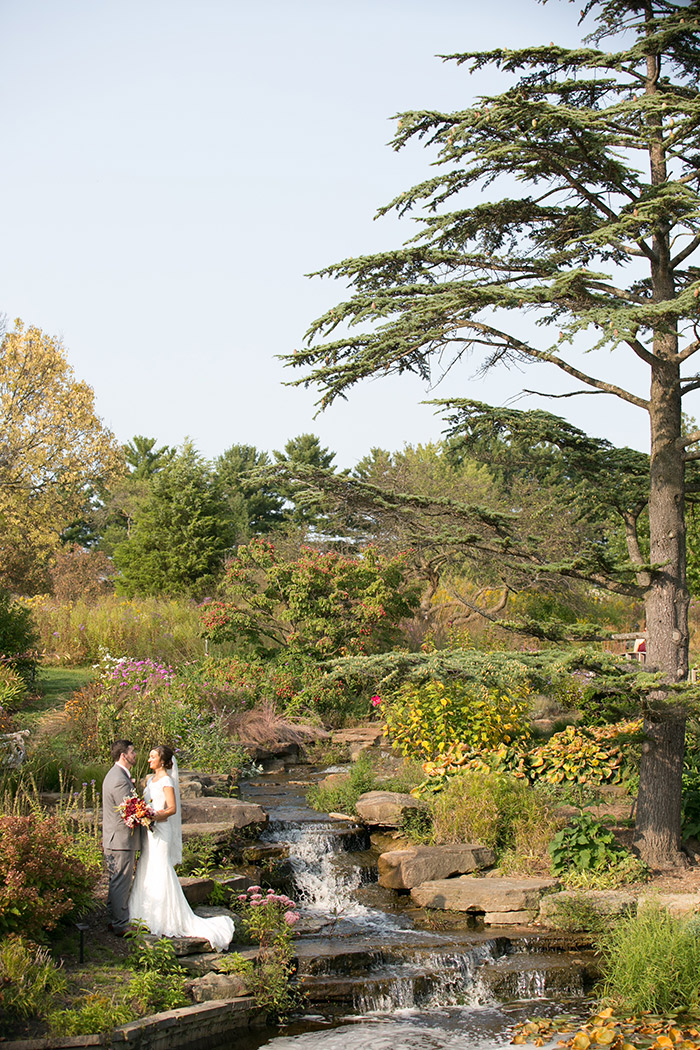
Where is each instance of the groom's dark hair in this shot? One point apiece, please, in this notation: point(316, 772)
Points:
point(119, 748)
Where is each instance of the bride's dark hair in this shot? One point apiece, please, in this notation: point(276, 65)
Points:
point(166, 755)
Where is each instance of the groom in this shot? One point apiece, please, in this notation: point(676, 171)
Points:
point(119, 842)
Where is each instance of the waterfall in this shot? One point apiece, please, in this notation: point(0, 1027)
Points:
point(436, 979)
point(320, 886)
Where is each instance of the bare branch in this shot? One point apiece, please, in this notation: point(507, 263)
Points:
point(689, 439)
point(688, 250)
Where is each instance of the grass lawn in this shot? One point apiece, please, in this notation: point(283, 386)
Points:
point(54, 686)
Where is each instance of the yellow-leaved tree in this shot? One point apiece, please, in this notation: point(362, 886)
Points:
point(54, 450)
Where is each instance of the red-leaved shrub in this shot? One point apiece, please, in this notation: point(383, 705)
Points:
point(41, 881)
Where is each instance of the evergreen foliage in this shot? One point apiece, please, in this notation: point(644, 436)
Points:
point(178, 541)
point(597, 248)
point(255, 507)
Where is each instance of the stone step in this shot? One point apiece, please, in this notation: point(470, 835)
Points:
point(530, 976)
point(501, 901)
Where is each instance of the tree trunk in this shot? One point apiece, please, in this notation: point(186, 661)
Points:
point(657, 831)
point(658, 826)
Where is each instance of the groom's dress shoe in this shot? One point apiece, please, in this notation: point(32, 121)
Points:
point(116, 931)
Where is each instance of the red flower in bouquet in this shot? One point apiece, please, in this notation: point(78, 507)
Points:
point(136, 813)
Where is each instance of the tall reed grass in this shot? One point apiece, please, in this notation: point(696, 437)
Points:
point(651, 962)
point(76, 633)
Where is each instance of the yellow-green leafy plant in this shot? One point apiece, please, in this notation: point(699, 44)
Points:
point(428, 720)
point(12, 688)
point(582, 755)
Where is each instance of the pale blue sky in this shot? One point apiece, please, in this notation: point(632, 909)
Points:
point(172, 169)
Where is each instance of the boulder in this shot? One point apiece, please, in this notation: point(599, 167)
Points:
point(196, 890)
point(208, 961)
point(358, 739)
point(401, 869)
point(675, 903)
point(182, 946)
point(202, 964)
point(217, 986)
point(387, 808)
point(263, 853)
point(494, 895)
point(334, 780)
point(213, 911)
point(220, 834)
point(386, 840)
point(564, 910)
point(236, 883)
point(230, 811)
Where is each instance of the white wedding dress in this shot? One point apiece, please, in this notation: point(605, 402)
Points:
point(156, 895)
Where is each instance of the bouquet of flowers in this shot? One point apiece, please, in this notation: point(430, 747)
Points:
point(136, 813)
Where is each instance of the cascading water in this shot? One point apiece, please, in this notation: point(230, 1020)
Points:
point(379, 979)
point(321, 887)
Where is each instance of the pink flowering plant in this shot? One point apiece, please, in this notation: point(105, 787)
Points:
point(268, 917)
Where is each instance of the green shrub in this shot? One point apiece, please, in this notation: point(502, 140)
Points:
point(29, 982)
point(622, 870)
point(18, 637)
point(652, 963)
point(204, 744)
point(499, 811)
point(235, 963)
point(578, 914)
point(97, 1013)
point(294, 682)
point(150, 992)
point(157, 985)
point(361, 777)
point(342, 796)
point(583, 845)
point(198, 854)
point(41, 879)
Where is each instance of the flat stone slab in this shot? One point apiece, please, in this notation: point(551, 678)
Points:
point(387, 808)
point(675, 903)
point(467, 893)
point(220, 833)
point(230, 811)
point(358, 739)
point(402, 869)
point(561, 909)
point(509, 918)
point(183, 946)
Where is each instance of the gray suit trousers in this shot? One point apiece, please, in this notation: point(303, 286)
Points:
point(120, 865)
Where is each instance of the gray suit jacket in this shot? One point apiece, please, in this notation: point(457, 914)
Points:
point(117, 786)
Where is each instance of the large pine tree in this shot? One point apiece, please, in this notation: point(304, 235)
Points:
point(599, 246)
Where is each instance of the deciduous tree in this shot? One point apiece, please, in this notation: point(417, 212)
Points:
point(53, 446)
point(321, 603)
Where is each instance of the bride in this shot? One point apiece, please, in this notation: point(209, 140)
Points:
point(156, 895)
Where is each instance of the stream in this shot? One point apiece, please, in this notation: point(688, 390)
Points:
point(378, 971)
